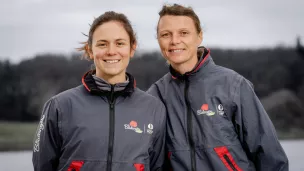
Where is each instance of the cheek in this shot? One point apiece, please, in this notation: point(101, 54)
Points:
point(99, 54)
point(162, 44)
point(196, 41)
point(125, 52)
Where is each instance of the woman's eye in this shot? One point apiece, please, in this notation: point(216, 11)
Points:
point(184, 33)
point(120, 43)
point(101, 45)
point(165, 35)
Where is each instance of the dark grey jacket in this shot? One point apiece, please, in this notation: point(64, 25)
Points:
point(216, 122)
point(86, 129)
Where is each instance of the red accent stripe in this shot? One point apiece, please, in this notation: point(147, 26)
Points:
point(221, 151)
point(174, 77)
point(134, 83)
point(201, 62)
point(169, 157)
point(139, 167)
point(75, 166)
point(85, 85)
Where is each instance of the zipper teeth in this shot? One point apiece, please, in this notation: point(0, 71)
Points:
point(111, 129)
point(229, 162)
point(189, 127)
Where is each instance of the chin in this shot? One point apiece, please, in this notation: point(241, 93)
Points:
point(112, 73)
point(177, 60)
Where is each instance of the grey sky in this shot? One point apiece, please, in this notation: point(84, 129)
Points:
point(29, 27)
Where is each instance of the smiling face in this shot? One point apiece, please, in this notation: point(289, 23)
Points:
point(111, 50)
point(178, 40)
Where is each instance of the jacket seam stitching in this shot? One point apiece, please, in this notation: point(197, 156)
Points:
point(59, 116)
point(237, 85)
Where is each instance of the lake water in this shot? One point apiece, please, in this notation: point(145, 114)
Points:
point(16, 161)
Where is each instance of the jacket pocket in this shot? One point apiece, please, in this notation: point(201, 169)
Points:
point(227, 158)
point(139, 166)
point(75, 166)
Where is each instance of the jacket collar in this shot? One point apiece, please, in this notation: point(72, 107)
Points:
point(204, 60)
point(90, 85)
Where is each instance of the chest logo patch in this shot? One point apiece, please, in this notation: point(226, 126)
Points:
point(205, 110)
point(220, 109)
point(133, 126)
point(150, 129)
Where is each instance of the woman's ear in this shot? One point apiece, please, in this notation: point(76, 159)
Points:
point(91, 55)
point(200, 38)
point(133, 49)
point(89, 51)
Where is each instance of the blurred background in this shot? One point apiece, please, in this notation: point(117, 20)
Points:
point(261, 40)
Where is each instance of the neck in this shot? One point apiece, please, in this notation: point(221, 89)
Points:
point(112, 79)
point(187, 66)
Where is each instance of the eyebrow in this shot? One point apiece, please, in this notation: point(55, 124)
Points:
point(171, 31)
point(101, 41)
point(164, 31)
point(120, 39)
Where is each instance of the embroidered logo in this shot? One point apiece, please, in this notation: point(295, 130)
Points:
point(220, 109)
point(205, 110)
point(150, 129)
point(133, 126)
point(40, 129)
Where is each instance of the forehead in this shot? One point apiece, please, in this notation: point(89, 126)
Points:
point(170, 22)
point(110, 31)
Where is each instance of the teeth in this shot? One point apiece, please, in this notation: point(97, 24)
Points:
point(176, 50)
point(111, 61)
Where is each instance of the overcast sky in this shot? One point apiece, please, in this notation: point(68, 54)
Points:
point(29, 27)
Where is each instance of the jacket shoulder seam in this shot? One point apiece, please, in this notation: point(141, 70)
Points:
point(236, 84)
